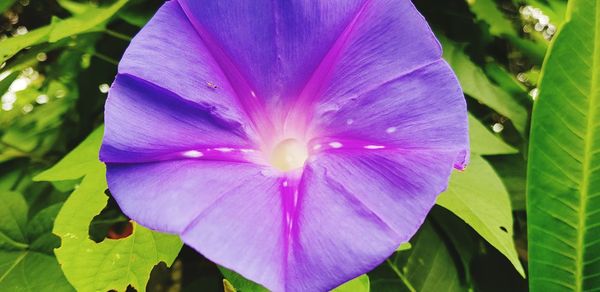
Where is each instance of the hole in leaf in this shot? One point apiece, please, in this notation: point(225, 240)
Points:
point(120, 230)
point(110, 223)
point(503, 229)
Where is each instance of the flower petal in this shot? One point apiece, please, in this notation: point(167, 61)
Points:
point(350, 212)
point(276, 45)
point(355, 210)
point(231, 213)
point(148, 123)
point(390, 38)
point(421, 110)
point(169, 195)
point(169, 53)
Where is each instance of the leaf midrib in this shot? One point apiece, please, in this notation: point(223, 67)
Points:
point(19, 259)
point(585, 180)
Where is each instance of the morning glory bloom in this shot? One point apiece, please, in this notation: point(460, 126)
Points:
point(298, 143)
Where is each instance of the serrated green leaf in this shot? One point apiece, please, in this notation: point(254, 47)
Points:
point(93, 19)
point(476, 84)
point(110, 264)
point(26, 260)
point(478, 197)
point(563, 192)
point(484, 142)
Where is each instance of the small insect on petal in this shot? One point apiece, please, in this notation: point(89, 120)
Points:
point(211, 85)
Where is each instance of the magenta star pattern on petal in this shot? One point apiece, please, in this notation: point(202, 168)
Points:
point(298, 143)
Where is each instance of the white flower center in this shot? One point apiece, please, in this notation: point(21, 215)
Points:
point(289, 154)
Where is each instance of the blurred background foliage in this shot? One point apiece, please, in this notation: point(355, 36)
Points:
point(58, 59)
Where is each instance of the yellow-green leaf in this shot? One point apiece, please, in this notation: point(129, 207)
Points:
point(93, 19)
point(110, 264)
point(478, 197)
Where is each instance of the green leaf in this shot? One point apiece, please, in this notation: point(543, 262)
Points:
point(487, 11)
point(240, 283)
point(476, 84)
point(508, 81)
point(478, 197)
point(93, 19)
point(228, 287)
point(110, 264)
point(13, 220)
point(82, 160)
point(513, 171)
point(563, 192)
point(137, 14)
point(358, 284)
point(428, 266)
point(74, 7)
point(500, 26)
point(554, 9)
point(6, 4)
point(484, 142)
point(26, 260)
point(30, 271)
point(404, 246)
point(7, 81)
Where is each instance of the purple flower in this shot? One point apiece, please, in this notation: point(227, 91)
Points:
point(295, 142)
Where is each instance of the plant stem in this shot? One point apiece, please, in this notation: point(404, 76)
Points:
point(99, 56)
point(106, 58)
point(8, 145)
point(118, 35)
point(401, 276)
point(12, 242)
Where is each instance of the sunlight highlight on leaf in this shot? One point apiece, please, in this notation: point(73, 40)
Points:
point(110, 264)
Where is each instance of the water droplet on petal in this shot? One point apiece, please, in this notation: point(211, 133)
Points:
point(336, 145)
point(193, 154)
point(224, 149)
